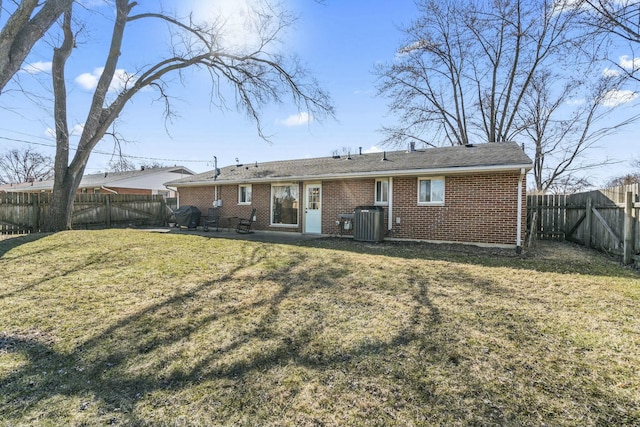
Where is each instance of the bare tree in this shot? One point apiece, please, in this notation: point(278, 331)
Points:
point(620, 17)
point(259, 75)
point(626, 179)
point(559, 136)
point(630, 178)
point(28, 21)
point(26, 165)
point(122, 164)
point(480, 72)
point(465, 67)
point(153, 165)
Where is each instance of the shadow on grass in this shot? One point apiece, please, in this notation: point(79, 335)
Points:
point(542, 260)
point(409, 367)
point(8, 243)
point(95, 260)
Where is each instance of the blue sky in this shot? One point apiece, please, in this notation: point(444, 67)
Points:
point(339, 41)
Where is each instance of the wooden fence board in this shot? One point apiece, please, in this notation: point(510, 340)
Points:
point(595, 218)
point(25, 212)
point(550, 218)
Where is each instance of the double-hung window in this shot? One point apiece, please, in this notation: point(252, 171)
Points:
point(382, 192)
point(431, 191)
point(244, 194)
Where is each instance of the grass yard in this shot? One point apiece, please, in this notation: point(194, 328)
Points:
point(136, 328)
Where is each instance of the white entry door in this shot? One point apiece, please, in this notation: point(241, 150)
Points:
point(313, 209)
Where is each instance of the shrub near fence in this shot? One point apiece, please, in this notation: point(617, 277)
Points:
point(22, 213)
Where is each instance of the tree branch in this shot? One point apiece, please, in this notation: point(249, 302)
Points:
point(21, 32)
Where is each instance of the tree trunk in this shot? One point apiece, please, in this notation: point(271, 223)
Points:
point(65, 181)
point(259, 77)
point(61, 208)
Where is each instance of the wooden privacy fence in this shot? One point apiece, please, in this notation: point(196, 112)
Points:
point(22, 213)
point(608, 220)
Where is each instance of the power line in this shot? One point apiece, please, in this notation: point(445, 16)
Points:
point(106, 153)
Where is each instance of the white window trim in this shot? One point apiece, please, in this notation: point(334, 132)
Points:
point(444, 190)
point(375, 192)
point(283, 184)
point(240, 194)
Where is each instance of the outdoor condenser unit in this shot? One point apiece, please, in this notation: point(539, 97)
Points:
point(368, 224)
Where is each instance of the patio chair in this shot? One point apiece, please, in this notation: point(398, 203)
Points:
point(213, 218)
point(244, 224)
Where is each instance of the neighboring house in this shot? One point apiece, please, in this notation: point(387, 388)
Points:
point(470, 194)
point(142, 181)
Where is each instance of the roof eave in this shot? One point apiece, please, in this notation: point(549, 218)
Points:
point(356, 175)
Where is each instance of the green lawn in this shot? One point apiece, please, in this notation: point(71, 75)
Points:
point(130, 327)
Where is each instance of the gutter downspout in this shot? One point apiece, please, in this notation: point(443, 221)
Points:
point(519, 219)
point(390, 214)
point(171, 190)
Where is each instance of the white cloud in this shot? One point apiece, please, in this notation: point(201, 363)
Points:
point(37, 67)
point(121, 78)
point(614, 98)
point(632, 64)
point(608, 72)
point(76, 130)
point(577, 101)
point(88, 81)
point(299, 119)
point(624, 63)
point(372, 149)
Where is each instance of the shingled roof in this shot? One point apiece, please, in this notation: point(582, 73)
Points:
point(458, 159)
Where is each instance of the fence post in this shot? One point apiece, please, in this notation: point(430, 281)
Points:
point(163, 211)
point(628, 229)
point(35, 218)
point(3, 200)
point(107, 209)
point(532, 228)
point(587, 222)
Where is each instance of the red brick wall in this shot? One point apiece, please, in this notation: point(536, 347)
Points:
point(202, 198)
point(342, 197)
point(118, 190)
point(139, 191)
point(478, 208)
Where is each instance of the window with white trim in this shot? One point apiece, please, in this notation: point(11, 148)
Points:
point(284, 204)
point(382, 192)
point(431, 191)
point(244, 194)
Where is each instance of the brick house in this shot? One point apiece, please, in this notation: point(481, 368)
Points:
point(144, 181)
point(468, 194)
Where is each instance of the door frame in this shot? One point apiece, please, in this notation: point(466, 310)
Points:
point(306, 201)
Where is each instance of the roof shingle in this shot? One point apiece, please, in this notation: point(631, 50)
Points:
point(499, 156)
